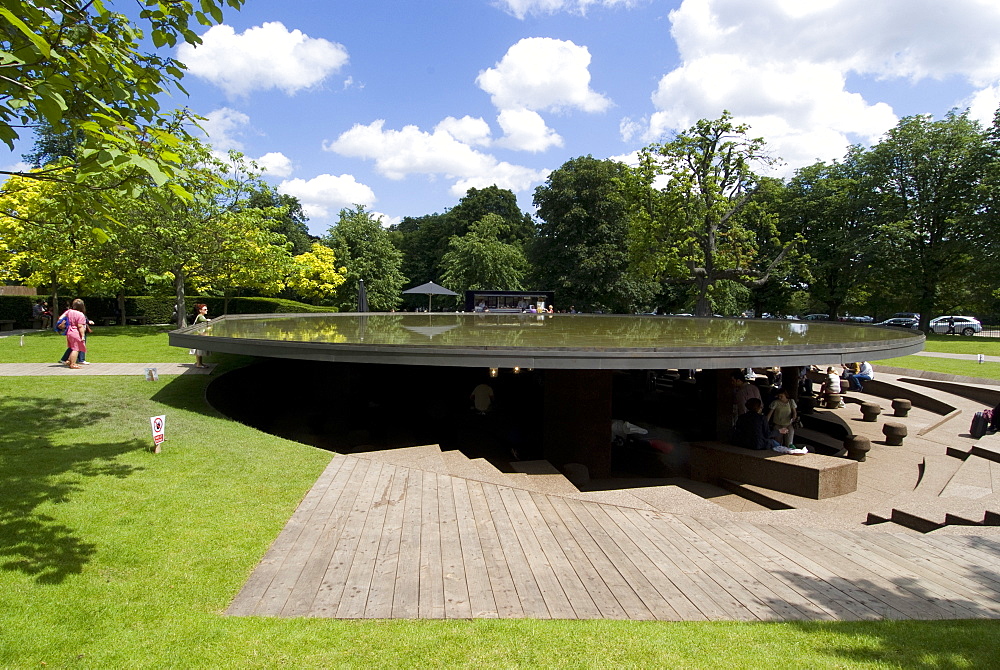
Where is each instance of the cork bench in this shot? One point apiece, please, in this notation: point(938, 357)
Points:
point(807, 475)
point(6, 324)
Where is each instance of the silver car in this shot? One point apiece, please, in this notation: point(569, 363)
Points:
point(966, 325)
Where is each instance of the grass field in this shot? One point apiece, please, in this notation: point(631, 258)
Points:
point(114, 557)
point(113, 344)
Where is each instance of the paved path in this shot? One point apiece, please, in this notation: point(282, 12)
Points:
point(963, 357)
point(123, 369)
point(374, 539)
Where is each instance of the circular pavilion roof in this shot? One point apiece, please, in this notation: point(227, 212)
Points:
point(564, 341)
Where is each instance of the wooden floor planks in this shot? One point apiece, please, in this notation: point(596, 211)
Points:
point(374, 540)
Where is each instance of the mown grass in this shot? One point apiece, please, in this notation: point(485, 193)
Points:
point(114, 557)
point(948, 366)
point(956, 344)
point(112, 344)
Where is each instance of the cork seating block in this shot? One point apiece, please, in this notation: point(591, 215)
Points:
point(870, 411)
point(858, 447)
point(901, 406)
point(894, 433)
point(807, 475)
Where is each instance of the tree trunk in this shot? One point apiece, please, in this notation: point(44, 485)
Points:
point(179, 294)
point(121, 308)
point(55, 299)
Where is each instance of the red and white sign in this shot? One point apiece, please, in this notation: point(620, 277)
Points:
point(157, 423)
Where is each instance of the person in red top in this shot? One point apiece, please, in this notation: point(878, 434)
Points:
point(75, 332)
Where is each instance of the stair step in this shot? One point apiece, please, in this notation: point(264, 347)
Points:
point(972, 480)
point(927, 516)
point(422, 457)
point(755, 494)
point(539, 467)
point(988, 447)
point(555, 484)
point(936, 473)
point(476, 469)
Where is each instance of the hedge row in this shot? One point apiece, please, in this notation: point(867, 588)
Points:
point(156, 309)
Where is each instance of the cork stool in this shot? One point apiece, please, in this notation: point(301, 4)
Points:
point(901, 406)
point(894, 433)
point(857, 447)
point(870, 411)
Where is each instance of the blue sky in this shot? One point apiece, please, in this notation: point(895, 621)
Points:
point(401, 106)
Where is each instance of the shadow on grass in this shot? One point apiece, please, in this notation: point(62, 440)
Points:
point(37, 471)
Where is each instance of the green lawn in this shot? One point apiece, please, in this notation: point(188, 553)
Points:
point(956, 344)
point(112, 344)
point(114, 557)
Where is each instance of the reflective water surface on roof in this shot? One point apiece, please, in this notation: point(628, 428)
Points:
point(555, 331)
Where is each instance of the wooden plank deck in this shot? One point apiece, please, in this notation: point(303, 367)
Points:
point(374, 540)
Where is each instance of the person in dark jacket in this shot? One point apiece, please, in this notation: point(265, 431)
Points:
point(751, 430)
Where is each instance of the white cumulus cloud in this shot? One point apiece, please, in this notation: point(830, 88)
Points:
point(275, 164)
point(522, 8)
point(543, 74)
point(784, 66)
point(466, 129)
point(224, 127)
point(326, 194)
point(261, 58)
point(409, 151)
point(525, 130)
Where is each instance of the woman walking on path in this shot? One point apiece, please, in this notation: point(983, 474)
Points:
point(76, 329)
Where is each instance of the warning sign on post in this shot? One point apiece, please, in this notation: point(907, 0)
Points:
point(157, 423)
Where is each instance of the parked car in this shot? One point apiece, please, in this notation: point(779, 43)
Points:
point(816, 317)
point(966, 325)
point(857, 319)
point(900, 322)
point(906, 315)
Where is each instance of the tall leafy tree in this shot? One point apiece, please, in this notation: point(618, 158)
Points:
point(480, 260)
point(581, 250)
point(696, 230)
point(478, 202)
point(424, 240)
point(199, 240)
point(42, 235)
point(363, 246)
point(286, 217)
point(832, 205)
point(315, 275)
point(928, 175)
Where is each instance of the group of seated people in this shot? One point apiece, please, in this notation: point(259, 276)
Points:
point(755, 430)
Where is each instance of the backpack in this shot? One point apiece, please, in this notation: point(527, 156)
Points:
point(980, 422)
point(61, 325)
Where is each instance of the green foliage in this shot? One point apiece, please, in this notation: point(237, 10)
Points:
point(703, 225)
point(928, 176)
point(79, 66)
point(363, 246)
point(581, 251)
point(424, 240)
point(314, 275)
point(480, 260)
point(284, 215)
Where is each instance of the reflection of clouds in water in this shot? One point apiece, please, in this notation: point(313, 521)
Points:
point(547, 331)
